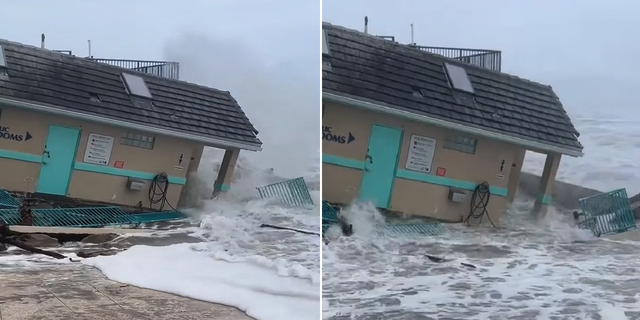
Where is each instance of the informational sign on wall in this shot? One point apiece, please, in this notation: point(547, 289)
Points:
point(98, 149)
point(420, 157)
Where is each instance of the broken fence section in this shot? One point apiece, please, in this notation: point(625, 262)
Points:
point(329, 213)
point(330, 217)
point(292, 192)
point(87, 217)
point(608, 213)
point(414, 229)
point(403, 230)
point(7, 200)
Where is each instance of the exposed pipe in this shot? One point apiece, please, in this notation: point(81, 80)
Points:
point(412, 42)
point(366, 24)
point(42, 41)
point(89, 42)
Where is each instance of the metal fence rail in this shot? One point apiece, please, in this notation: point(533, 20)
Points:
point(608, 213)
point(489, 59)
point(292, 192)
point(87, 217)
point(418, 229)
point(329, 213)
point(8, 201)
point(163, 69)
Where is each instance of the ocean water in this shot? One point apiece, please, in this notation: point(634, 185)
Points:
point(528, 268)
point(269, 274)
point(222, 255)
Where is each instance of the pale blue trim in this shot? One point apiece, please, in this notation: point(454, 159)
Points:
point(13, 155)
point(415, 176)
point(221, 187)
point(544, 199)
point(443, 181)
point(343, 162)
point(81, 166)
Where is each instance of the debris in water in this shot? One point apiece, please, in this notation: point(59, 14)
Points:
point(468, 265)
point(347, 228)
point(264, 225)
point(436, 259)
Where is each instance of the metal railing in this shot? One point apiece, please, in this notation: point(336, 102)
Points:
point(489, 59)
point(164, 69)
point(292, 192)
point(608, 213)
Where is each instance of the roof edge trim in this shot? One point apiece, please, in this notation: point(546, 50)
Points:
point(123, 124)
point(449, 125)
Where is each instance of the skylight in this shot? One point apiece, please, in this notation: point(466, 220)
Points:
point(3, 61)
point(458, 78)
point(325, 44)
point(136, 85)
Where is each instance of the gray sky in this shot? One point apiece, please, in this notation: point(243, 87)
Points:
point(267, 53)
point(588, 50)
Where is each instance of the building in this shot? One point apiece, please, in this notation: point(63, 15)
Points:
point(416, 132)
point(78, 128)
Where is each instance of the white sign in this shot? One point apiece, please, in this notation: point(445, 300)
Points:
point(98, 149)
point(420, 157)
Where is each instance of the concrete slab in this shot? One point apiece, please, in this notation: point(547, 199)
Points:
point(631, 235)
point(81, 292)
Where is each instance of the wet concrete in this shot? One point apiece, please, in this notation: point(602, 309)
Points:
point(81, 292)
point(564, 194)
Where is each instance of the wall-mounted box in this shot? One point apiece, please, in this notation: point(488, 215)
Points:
point(135, 184)
point(457, 195)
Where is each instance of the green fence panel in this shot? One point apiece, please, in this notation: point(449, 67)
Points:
point(608, 213)
point(292, 192)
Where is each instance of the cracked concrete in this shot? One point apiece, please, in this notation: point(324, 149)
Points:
point(81, 292)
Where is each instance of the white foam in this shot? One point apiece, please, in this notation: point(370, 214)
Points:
point(262, 288)
point(530, 268)
point(270, 274)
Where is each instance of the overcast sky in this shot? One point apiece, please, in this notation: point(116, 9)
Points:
point(267, 53)
point(588, 50)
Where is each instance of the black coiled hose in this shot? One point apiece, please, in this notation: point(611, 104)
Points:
point(479, 202)
point(158, 191)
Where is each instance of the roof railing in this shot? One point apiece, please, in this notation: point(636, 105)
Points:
point(489, 59)
point(166, 69)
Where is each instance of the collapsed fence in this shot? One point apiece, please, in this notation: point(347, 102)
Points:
point(292, 192)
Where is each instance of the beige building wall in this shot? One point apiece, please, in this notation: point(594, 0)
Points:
point(341, 184)
point(22, 175)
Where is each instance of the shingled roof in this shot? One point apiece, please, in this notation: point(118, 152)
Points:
point(59, 81)
point(382, 72)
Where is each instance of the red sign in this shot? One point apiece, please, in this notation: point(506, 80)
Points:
point(119, 164)
point(440, 172)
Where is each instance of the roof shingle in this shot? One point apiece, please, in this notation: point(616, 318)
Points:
point(68, 82)
point(372, 68)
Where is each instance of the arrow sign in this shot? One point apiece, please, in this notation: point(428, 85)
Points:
point(351, 138)
point(27, 136)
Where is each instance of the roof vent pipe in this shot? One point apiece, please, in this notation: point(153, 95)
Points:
point(366, 24)
point(42, 42)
